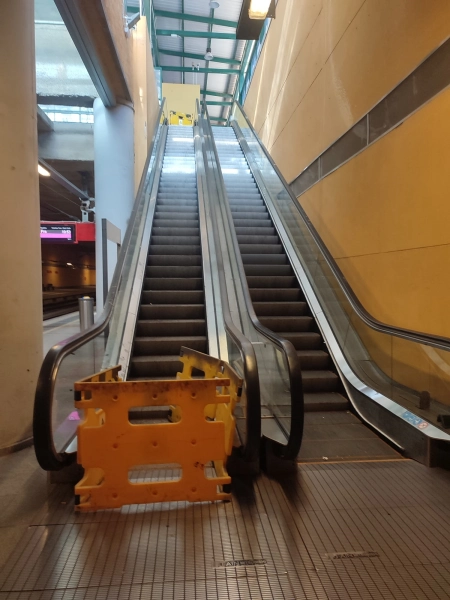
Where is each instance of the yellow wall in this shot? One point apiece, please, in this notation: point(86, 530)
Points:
point(384, 215)
point(181, 97)
point(145, 96)
point(326, 63)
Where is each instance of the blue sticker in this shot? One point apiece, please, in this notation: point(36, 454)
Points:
point(414, 420)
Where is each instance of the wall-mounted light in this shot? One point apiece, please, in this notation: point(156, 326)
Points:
point(43, 171)
point(258, 9)
point(209, 55)
point(252, 18)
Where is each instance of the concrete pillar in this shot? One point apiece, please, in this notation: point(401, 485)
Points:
point(114, 179)
point(20, 264)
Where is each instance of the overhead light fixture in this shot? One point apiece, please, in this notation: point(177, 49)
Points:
point(174, 35)
point(258, 9)
point(213, 4)
point(209, 55)
point(43, 171)
point(69, 264)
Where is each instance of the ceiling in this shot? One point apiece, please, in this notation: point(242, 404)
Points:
point(179, 52)
point(176, 49)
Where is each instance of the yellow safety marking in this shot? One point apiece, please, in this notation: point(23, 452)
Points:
point(109, 445)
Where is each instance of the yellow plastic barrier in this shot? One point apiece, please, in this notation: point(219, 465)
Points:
point(109, 445)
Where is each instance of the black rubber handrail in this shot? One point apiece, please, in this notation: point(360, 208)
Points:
point(426, 339)
point(47, 455)
point(290, 450)
point(249, 452)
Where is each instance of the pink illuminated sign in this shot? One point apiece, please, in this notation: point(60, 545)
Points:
point(58, 233)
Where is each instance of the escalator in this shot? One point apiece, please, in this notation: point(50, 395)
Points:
point(331, 430)
point(172, 306)
point(165, 294)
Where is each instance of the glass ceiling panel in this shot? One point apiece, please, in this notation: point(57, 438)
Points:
point(60, 71)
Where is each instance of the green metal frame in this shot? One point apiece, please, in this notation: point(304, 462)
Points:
point(201, 70)
point(219, 94)
point(197, 34)
point(186, 17)
point(234, 66)
point(228, 61)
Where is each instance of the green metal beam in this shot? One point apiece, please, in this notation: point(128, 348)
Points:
point(222, 120)
point(153, 35)
point(185, 17)
point(214, 103)
point(220, 94)
point(196, 34)
point(201, 70)
point(133, 9)
point(228, 61)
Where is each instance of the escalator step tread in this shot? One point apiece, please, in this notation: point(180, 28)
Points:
point(267, 309)
point(293, 324)
point(173, 283)
point(325, 402)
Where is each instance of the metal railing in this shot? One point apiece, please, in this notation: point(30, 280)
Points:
point(294, 433)
point(249, 452)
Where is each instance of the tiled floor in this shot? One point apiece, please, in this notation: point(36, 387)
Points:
point(374, 530)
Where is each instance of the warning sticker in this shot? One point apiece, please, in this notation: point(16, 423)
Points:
point(414, 420)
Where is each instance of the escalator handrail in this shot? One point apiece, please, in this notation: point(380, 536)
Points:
point(47, 455)
point(250, 450)
point(291, 449)
point(427, 339)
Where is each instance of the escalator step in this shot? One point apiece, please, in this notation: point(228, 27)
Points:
point(172, 311)
point(325, 402)
point(268, 309)
point(158, 222)
point(260, 222)
point(258, 239)
point(172, 297)
point(266, 231)
point(272, 281)
point(169, 208)
point(155, 366)
point(175, 231)
point(265, 259)
point(170, 240)
point(168, 327)
point(267, 270)
point(303, 340)
point(275, 295)
point(286, 323)
point(173, 271)
point(151, 346)
point(320, 381)
point(261, 249)
point(165, 249)
point(173, 283)
point(174, 260)
point(313, 360)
